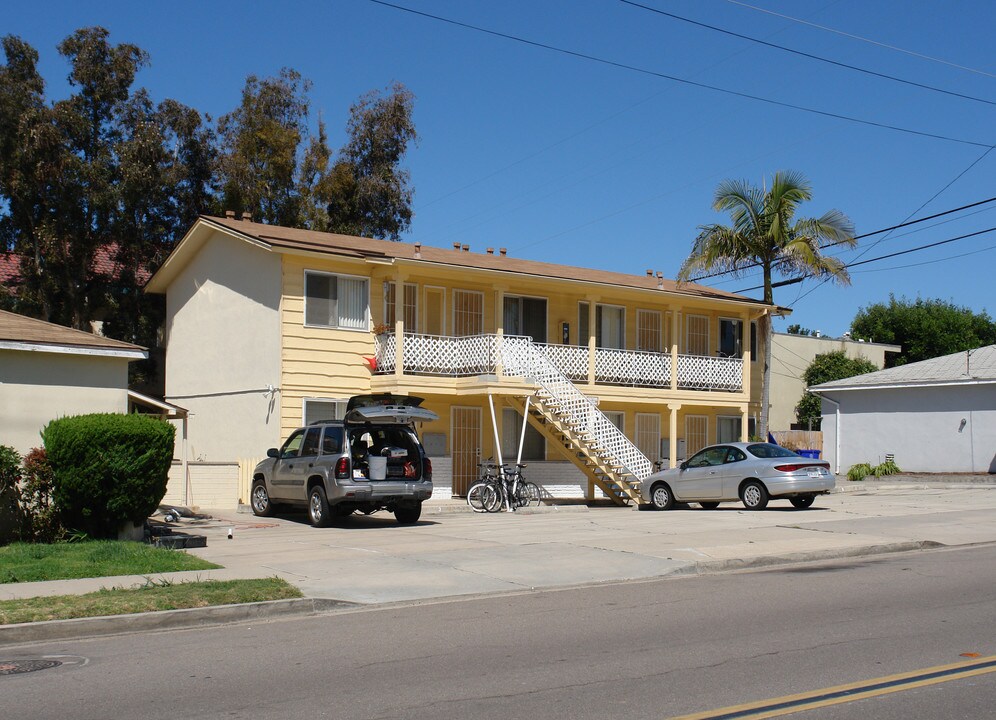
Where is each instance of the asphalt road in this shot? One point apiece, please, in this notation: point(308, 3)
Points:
point(655, 649)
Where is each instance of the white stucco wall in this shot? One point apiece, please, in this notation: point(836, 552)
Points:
point(36, 387)
point(922, 427)
point(792, 354)
point(223, 349)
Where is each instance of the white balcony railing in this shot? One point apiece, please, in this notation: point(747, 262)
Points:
point(478, 355)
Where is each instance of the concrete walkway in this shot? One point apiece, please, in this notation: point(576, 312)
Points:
point(455, 552)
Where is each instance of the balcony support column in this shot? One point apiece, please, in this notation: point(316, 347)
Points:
point(744, 437)
point(499, 329)
point(399, 323)
point(672, 460)
point(592, 343)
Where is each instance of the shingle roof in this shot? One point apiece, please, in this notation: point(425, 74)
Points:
point(20, 329)
point(960, 367)
point(297, 239)
point(104, 263)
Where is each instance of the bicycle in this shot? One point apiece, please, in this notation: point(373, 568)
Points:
point(514, 490)
point(484, 495)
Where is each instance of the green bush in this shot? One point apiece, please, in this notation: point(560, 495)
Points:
point(859, 472)
point(108, 469)
point(887, 468)
point(11, 519)
point(41, 516)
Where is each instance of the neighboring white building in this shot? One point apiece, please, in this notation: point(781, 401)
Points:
point(792, 354)
point(49, 371)
point(937, 415)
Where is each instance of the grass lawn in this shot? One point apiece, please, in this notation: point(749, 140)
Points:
point(25, 562)
point(153, 597)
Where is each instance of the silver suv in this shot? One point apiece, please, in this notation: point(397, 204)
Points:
point(371, 460)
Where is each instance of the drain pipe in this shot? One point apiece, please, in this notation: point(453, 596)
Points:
point(836, 422)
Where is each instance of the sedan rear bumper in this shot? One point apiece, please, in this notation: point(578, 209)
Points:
point(801, 484)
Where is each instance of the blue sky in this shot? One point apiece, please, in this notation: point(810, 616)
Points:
point(568, 160)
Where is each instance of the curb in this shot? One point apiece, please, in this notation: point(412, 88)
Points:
point(227, 614)
point(164, 620)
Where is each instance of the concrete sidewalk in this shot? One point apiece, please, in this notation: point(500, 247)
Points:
point(454, 552)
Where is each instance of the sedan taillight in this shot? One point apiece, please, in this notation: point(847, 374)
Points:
point(800, 466)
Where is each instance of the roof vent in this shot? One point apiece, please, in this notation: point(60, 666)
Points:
point(660, 280)
point(246, 217)
point(650, 273)
point(466, 248)
point(230, 214)
point(491, 251)
point(418, 251)
point(456, 246)
point(502, 251)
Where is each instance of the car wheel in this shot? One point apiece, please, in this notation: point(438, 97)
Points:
point(661, 497)
point(318, 507)
point(754, 495)
point(709, 505)
point(408, 515)
point(260, 500)
point(802, 502)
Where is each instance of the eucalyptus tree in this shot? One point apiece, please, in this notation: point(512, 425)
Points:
point(766, 233)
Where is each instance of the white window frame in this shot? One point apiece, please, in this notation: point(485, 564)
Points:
point(640, 313)
point(622, 324)
point(338, 325)
point(688, 446)
point(688, 328)
point(466, 292)
point(720, 419)
point(740, 323)
point(641, 442)
point(389, 306)
point(340, 408)
point(621, 414)
point(584, 339)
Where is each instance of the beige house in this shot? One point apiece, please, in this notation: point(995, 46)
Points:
point(270, 327)
point(792, 354)
point(49, 371)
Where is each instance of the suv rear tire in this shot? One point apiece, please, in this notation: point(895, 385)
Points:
point(408, 515)
point(318, 507)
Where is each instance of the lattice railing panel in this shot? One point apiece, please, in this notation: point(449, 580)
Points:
point(701, 372)
point(623, 367)
point(569, 359)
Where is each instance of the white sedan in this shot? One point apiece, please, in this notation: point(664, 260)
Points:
point(752, 473)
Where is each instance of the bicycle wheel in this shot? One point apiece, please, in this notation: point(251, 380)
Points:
point(531, 494)
point(481, 496)
point(496, 501)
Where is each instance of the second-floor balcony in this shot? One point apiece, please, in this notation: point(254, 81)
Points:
point(441, 356)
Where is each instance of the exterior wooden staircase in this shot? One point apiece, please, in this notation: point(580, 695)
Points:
point(573, 423)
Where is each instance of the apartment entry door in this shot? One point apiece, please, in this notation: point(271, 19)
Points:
point(525, 316)
point(465, 447)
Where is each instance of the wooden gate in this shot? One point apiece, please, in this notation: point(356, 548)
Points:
point(465, 446)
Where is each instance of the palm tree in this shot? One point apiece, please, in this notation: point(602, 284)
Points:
point(766, 234)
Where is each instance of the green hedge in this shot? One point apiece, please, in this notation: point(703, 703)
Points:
point(108, 469)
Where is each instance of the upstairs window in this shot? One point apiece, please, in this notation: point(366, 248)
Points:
point(336, 301)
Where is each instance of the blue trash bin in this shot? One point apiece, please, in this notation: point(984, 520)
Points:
point(811, 454)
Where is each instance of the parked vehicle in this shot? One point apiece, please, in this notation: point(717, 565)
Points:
point(753, 473)
point(371, 460)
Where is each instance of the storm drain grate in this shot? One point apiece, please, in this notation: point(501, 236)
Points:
point(13, 667)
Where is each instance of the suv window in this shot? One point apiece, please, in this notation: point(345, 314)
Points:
point(332, 441)
point(310, 446)
point(292, 447)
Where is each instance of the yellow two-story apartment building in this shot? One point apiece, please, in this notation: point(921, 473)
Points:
point(589, 376)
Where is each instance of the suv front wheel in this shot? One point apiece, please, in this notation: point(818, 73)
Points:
point(318, 507)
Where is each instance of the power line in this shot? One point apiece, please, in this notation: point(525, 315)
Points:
point(806, 54)
point(793, 281)
point(673, 78)
point(930, 262)
point(862, 39)
point(874, 232)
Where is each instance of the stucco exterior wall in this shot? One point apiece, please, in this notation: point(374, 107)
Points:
point(223, 349)
point(792, 354)
point(934, 429)
point(36, 387)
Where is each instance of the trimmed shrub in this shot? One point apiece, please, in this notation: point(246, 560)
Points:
point(41, 516)
point(108, 469)
point(859, 472)
point(11, 520)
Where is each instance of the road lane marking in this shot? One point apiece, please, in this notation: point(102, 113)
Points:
point(850, 692)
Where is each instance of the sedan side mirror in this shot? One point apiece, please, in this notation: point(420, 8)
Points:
point(683, 466)
point(273, 453)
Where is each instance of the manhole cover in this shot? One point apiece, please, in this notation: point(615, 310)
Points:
point(13, 667)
